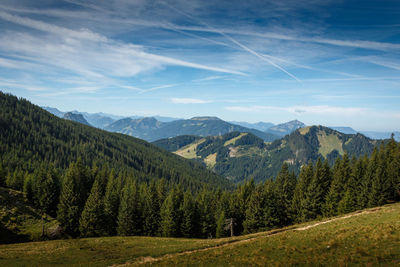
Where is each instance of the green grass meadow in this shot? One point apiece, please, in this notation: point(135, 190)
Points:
point(369, 238)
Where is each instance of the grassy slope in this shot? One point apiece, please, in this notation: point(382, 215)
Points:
point(19, 220)
point(250, 157)
point(368, 238)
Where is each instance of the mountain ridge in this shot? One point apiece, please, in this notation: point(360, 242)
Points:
point(102, 120)
point(37, 136)
point(76, 117)
point(240, 156)
point(199, 126)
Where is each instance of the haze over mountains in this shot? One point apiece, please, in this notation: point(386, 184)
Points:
point(158, 127)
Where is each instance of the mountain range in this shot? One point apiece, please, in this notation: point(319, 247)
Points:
point(149, 128)
point(240, 156)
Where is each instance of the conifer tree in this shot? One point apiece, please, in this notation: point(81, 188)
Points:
point(299, 195)
point(84, 181)
point(393, 169)
point(240, 202)
point(46, 190)
point(341, 175)
point(221, 226)
point(171, 214)
point(366, 183)
point(28, 187)
point(255, 212)
point(316, 192)
point(92, 221)
point(285, 184)
point(273, 209)
point(190, 219)
point(380, 185)
point(208, 208)
point(68, 209)
point(235, 212)
point(112, 201)
point(130, 212)
point(151, 210)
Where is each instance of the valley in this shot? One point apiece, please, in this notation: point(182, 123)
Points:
point(199, 133)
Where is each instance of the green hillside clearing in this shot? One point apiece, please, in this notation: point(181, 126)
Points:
point(233, 140)
point(328, 143)
point(189, 151)
point(19, 220)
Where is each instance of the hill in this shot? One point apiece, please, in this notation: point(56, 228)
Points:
point(151, 130)
point(142, 128)
point(30, 136)
point(285, 128)
point(75, 117)
point(364, 238)
point(240, 156)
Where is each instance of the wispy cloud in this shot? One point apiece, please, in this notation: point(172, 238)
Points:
point(188, 101)
point(209, 78)
point(286, 37)
point(236, 42)
point(87, 51)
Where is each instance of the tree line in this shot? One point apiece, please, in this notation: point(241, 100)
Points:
point(98, 201)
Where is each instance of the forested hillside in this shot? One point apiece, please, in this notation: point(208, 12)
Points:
point(96, 202)
point(240, 156)
point(30, 136)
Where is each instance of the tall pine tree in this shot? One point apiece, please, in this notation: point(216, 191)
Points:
point(92, 221)
point(69, 210)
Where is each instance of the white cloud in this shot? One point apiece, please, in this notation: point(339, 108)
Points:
point(286, 37)
point(86, 52)
point(188, 101)
point(209, 78)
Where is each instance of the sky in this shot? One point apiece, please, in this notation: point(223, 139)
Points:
point(323, 62)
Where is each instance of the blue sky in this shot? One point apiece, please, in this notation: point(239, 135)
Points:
point(334, 63)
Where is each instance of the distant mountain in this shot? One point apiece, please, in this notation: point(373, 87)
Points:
point(150, 129)
point(143, 128)
point(101, 120)
point(54, 111)
point(76, 117)
point(285, 128)
point(382, 135)
point(261, 126)
point(370, 134)
point(240, 156)
point(98, 120)
point(345, 130)
point(166, 119)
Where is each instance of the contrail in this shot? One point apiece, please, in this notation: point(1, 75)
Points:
point(251, 51)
